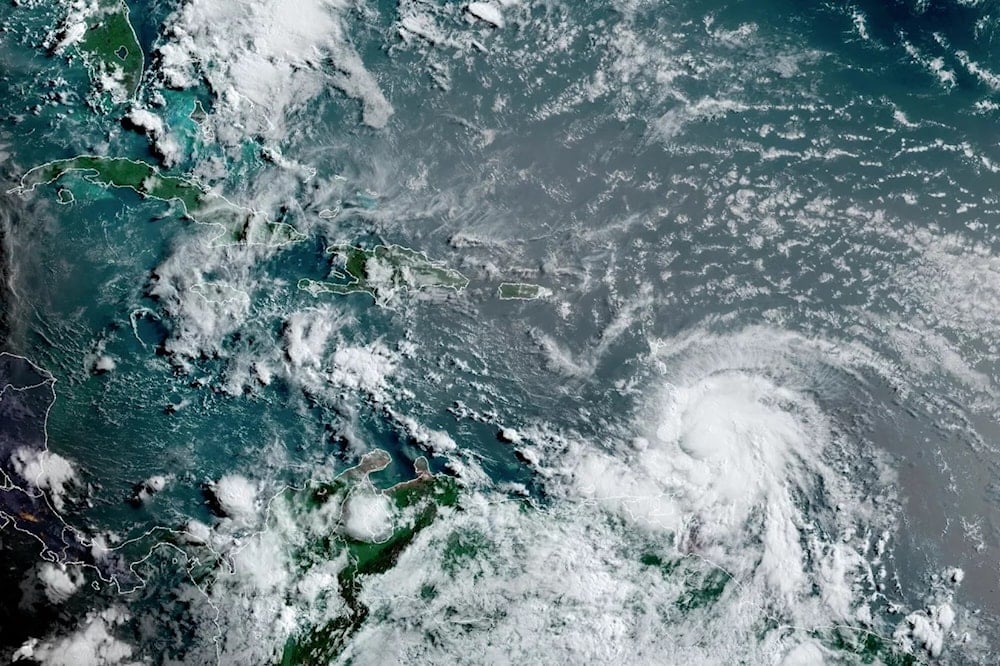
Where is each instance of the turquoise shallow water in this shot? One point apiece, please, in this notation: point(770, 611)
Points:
point(768, 230)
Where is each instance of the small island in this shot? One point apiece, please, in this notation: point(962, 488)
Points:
point(383, 272)
point(521, 291)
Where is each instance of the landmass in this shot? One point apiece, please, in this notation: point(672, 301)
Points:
point(37, 485)
point(104, 37)
point(348, 520)
point(420, 500)
point(382, 272)
point(237, 224)
point(509, 291)
point(30, 491)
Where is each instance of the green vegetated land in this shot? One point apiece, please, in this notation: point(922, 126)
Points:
point(508, 291)
point(311, 519)
point(237, 224)
point(110, 48)
point(417, 502)
point(382, 272)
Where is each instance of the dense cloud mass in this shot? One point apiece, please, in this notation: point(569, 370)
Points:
point(262, 59)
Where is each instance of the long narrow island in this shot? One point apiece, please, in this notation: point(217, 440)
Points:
point(236, 224)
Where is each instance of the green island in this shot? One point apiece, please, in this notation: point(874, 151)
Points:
point(522, 291)
point(382, 272)
point(110, 49)
point(237, 224)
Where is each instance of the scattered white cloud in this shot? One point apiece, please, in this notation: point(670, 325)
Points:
point(264, 58)
point(926, 629)
point(486, 11)
point(203, 310)
point(151, 486)
point(46, 471)
point(236, 496)
point(104, 363)
point(58, 581)
point(164, 144)
point(306, 338)
point(368, 516)
point(93, 643)
point(365, 367)
point(435, 441)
